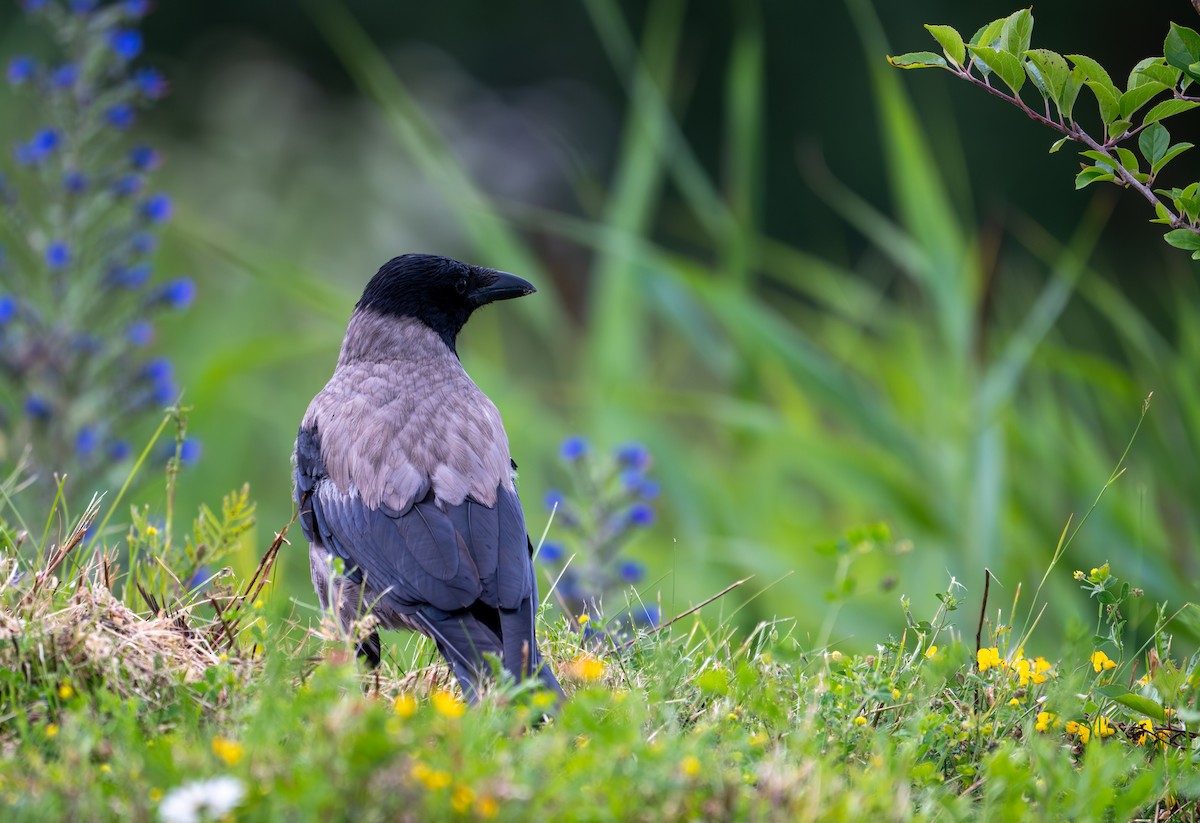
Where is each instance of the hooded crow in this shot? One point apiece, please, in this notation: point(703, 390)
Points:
point(402, 472)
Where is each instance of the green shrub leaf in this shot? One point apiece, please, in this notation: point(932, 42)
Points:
point(1183, 239)
point(1154, 141)
point(1140, 704)
point(1006, 66)
point(1139, 96)
point(1169, 108)
point(1169, 155)
point(1182, 49)
point(951, 42)
point(1016, 32)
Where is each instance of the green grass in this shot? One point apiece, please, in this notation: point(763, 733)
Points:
point(107, 713)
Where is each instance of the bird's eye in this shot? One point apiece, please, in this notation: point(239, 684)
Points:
point(461, 286)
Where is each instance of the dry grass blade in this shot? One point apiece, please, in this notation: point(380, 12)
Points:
point(61, 552)
point(227, 626)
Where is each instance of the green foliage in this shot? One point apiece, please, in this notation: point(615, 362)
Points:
point(1002, 49)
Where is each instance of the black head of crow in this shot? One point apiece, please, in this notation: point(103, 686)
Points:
point(402, 471)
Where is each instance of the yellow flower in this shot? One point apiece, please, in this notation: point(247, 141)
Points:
point(1148, 731)
point(1102, 727)
point(487, 807)
point(895, 694)
point(461, 798)
point(1014, 702)
point(584, 619)
point(228, 750)
point(1079, 575)
point(1079, 729)
point(860, 721)
point(51, 729)
point(1046, 720)
point(690, 765)
point(1101, 661)
point(586, 667)
point(405, 705)
point(155, 795)
point(65, 692)
point(447, 705)
point(1022, 667)
point(759, 738)
point(988, 658)
point(931, 651)
point(432, 779)
point(104, 767)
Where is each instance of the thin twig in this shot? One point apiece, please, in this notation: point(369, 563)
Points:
point(987, 580)
point(692, 610)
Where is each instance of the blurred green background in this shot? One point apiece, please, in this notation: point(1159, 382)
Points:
point(823, 292)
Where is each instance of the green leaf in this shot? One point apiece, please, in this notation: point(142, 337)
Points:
point(1153, 69)
point(918, 60)
point(1140, 704)
point(1103, 160)
point(1183, 239)
point(1070, 93)
point(1164, 214)
point(1169, 108)
point(1058, 144)
point(1154, 141)
point(1053, 70)
point(1139, 96)
point(1095, 72)
point(1016, 32)
point(989, 35)
point(1169, 155)
point(951, 42)
point(1092, 174)
point(1006, 66)
point(1182, 49)
point(713, 682)
point(1110, 104)
point(1128, 159)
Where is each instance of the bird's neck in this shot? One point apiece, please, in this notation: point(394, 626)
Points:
point(373, 337)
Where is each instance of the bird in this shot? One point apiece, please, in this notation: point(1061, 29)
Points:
point(402, 472)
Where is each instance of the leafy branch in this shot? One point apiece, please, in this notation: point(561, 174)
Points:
point(1001, 50)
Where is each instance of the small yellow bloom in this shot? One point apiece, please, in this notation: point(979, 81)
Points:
point(835, 655)
point(931, 651)
point(151, 531)
point(1023, 668)
point(104, 767)
point(1045, 721)
point(895, 694)
point(988, 658)
point(228, 750)
point(1079, 575)
point(584, 619)
point(432, 779)
point(259, 603)
point(461, 798)
point(155, 795)
point(1102, 727)
point(1079, 729)
point(65, 692)
point(405, 705)
point(860, 721)
point(690, 765)
point(1148, 731)
point(447, 705)
point(487, 807)
point(51, 729)
point(1014, 702)
point(759, 738)
point(586, 667)
point(1101, 661)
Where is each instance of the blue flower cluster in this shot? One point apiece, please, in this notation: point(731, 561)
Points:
point(587, 560)
point(79, 224)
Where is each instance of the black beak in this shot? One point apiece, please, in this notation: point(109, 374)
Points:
point(499, 285)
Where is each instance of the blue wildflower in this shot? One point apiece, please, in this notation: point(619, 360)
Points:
point(632, 571)
point(573, 448)
point(202, 576)
point(136, 8)
point(84, 6)
point(58, 255)
point(75, 182)
point(550, 553)
point(8, 309)
point(127, 43)
point(143, 243)
point(119, 116)
point(140, 333)
point(189, 451)
point(119, 450)
point(31, 6)
point(144, 158)
point(86, 441)
point(554, 499)
point(640, 514)
point(179, 294)
point(20, 69)
point(150, 83)
point(645, 615)
point(633, 455)
point(157, 208)
point(37, 407)
point(164, 392)
point(39, 148)
point(158, 369)
point(648, 489)
point(127, 185)
point(65, 76)
point(131, 277)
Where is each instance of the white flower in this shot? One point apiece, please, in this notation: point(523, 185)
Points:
point(201, 800)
